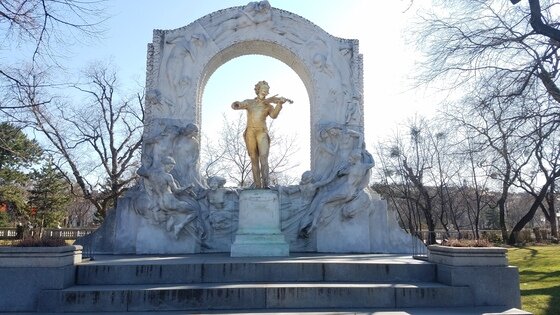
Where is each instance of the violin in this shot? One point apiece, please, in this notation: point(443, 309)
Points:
point(275, 99)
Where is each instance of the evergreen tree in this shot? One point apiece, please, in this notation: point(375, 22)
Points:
point(4, 219)
point(50, 197)
point(17, 153)
point(13, 198)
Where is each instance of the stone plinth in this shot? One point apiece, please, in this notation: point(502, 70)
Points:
point(259, 231)
point(467, 256)
point(484, 269)
point(59, 256)
point(26, 271)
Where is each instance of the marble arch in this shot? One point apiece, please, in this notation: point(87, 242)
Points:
point(173, 210)
point(181, 61)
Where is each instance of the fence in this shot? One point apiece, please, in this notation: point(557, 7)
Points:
point(67, 234)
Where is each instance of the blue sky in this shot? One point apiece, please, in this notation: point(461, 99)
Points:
point(377, 25)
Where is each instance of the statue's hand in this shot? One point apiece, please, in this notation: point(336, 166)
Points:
point(235, 105)
point(284, 100)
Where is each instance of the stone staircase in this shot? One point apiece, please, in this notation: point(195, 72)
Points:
point(215, 283)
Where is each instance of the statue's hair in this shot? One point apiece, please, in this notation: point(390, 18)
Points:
point(259, 85)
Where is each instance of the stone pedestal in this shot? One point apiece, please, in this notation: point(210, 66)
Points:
point(259, 231)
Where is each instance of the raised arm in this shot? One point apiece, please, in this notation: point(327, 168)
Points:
point(239, 105)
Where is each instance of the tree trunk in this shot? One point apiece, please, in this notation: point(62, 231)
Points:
point(552, 210)
point(530, 214)
point(503, 227)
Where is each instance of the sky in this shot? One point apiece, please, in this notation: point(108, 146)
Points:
point(379, 26)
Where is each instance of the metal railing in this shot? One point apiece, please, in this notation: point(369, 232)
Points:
point(10, 233)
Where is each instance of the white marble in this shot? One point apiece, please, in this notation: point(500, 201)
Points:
point(332, 210)
point(154, 240)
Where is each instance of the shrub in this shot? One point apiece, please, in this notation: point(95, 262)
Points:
point(492, 237)
point(43, 242)
point(524, 236)
point(467, 243)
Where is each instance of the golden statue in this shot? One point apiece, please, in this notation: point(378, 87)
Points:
point(256, 134)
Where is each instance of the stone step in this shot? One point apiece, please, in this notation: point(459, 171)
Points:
point(248, 296)
point(269, 272)
point(477, 310)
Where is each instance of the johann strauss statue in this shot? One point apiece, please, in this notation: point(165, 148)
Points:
point(256, 133)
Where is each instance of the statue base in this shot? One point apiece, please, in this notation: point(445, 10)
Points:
point(259, 232)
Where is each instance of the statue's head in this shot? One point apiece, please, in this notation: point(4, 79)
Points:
point(190, 129)
point(168, 163)
point(355, 155)
point(260, 86)
point(334, 131)
point(215, 182)
point(306, 177)
point(170, 130)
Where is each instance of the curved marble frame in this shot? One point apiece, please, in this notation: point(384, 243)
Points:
point(181, 61)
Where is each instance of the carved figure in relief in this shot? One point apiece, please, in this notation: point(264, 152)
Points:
point(335, 142)
point(349, 140)
point(353, 111)
point(216, 192)
point(161, 145)
point(185, 152)
point(220, 217)
point(350, 181)
point(176, 213)
point(320, 61)
point(308, 188)
point(299, 199)
point(320, 53)
point(254, 13)
point(256, 135)
point(183, 52)
point(326, 151)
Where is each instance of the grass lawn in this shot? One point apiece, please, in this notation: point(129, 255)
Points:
point(539, 273)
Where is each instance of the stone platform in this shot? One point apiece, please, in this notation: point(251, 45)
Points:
point(218, 284)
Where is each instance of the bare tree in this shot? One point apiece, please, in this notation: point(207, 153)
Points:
point(474, 180)
point(39, 30)
point(96, 145)
point(539, 26)
point(410, 162)
point(392, 186)
point(539, 183)
point(495, 55)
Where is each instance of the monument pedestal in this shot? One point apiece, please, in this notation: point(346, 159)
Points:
point(259, 231)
